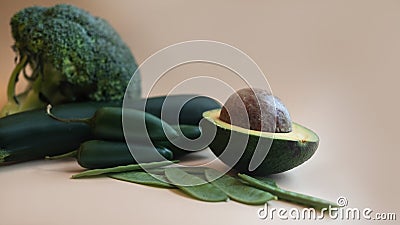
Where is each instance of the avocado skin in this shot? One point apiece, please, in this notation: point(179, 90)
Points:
point(282, 156)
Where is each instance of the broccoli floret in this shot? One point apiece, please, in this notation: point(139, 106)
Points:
point(72, 56)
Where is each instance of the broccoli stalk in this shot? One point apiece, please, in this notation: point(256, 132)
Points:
point(29, 99)
point(73, 56)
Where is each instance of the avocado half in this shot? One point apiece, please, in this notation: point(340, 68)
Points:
point(286, 150)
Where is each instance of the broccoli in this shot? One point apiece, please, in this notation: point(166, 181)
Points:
point(67, 55)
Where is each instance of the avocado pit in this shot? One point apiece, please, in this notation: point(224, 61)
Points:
point(256, 109)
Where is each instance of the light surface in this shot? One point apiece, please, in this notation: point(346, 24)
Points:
point(335, 65)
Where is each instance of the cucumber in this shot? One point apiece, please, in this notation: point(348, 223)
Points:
point(189, 108)
point(97, 154)
point(181, 146)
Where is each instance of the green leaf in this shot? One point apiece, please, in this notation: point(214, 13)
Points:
point(237, 190)
point(141, 177)
point(203, 191)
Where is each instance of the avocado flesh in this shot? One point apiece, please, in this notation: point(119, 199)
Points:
point(287, 150)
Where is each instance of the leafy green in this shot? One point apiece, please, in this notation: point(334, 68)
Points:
point(237, 190)
point(194, 186)
point(141, 177)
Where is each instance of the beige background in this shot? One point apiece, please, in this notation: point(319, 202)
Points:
point(334, 63)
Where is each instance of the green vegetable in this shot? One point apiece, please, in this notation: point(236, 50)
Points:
point(73, 56)
point(3, 155)
point(106, 124)
point(180, 146)
point(141, 177)
point(267, 180)
point(204, 191)
point(285, 150)
point(33, 135)
point(237, 190)
point(120, 169)
point(192, 170)
point(288, 195)
point(72, 154)
point(188, 131)
point(97, 154)
point(176, 109)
